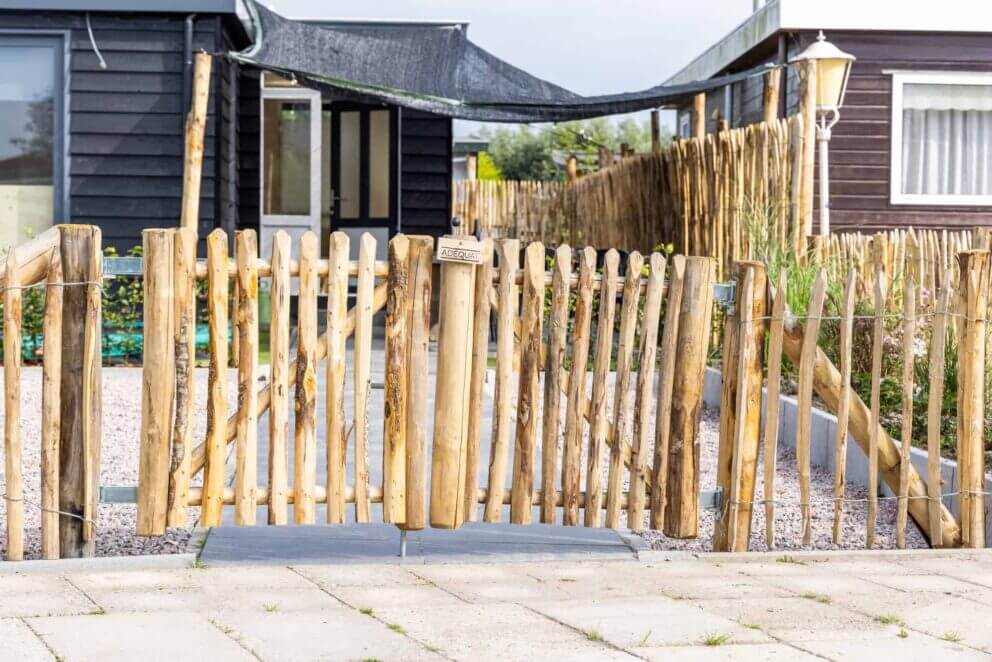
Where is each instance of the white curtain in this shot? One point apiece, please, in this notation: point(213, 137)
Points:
point(947, 152)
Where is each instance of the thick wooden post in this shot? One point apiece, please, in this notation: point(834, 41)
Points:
point(246, 448)
point(215, 451)
point(184, 314)
point(79, 397)
point(741, 435)
point(771, 94)
point(337, 314)
point(305, 440)
point(279, 332)
point(682, 507)
point(196, 124)
point(974, 267)
point(572, 169)
point(157, 383)
point(480, 359)
point(397, 353)
point(51, 379)
point(451, 405)
point(419, 325)
point(699, 115)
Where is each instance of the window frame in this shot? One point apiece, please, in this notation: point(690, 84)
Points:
point(61, 42)
point(899, 80)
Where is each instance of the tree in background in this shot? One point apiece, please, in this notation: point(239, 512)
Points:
point(486, 168)
point(526, 153)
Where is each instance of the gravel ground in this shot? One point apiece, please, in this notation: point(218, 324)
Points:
point(788, 522)
point(118, 464)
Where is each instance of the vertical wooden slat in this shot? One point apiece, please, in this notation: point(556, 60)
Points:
point(451, 395)
point(419, 325)
point(844, 404)
point(776, 327)
point(532, 314)
point(92, 393)
point(157, 383)
point(935, 401)
point(509, 259)
point(682, 507)
point(246, 447)
point(363, 358)
point(216, 445)
point(621, 400)
point(973, 267)
point(740, 407)
point(735, 530)
point(196, 125)
point(804, 399)
point(571, 470)
point(337, 313)
point(51, 378)
point(184, 338)
point(557, 336)
point(13, 471)
point(878, 331)
point(653, 296)
point(279, 380)
point(908, 359)
point(598, 406)
point(305, 442)
point(666, 381)
point(480, 357)
point(394, 424)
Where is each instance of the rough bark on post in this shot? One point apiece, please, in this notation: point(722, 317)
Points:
point(682, 485)
point(655, 131)
point(51, 380)
point(215, 446)
point(770, 95)
point(480, 358)
point(13, 469)
point(699, 115)
point(397, 354)
point(450, 407)
point(305, 442)
point(557, 338)
point(362, 379)
point(196, 124)
point(79, 423)
point(532, 311)
point(246, 450)
point(419, 325)
point(184, 339)
point(157, 383)
point(751, 329)
point(279, 332)
point(337, 313)
point(807, 113)
point(974, 267)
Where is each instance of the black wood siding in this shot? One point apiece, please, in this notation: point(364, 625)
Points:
point(126, 122)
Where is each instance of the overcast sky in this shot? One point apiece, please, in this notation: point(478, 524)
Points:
point(587, 46)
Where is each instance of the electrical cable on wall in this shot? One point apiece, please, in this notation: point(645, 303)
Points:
point(96, 49)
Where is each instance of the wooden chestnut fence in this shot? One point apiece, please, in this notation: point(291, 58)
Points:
point(599, 369)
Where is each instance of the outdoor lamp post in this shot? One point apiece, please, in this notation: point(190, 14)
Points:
point(833, 67)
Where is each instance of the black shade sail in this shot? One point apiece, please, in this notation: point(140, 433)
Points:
point(435, 69)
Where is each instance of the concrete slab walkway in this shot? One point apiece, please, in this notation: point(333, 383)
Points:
point(906, 606)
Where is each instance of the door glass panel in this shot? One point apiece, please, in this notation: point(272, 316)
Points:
point(286, 179)
point(326, 193)
point(379, 164)
point(351, 153)
point(27, 136)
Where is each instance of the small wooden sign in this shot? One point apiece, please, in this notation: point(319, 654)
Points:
point(459, 249)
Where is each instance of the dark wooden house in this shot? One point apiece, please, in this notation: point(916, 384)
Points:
point(93, 96)
point(913, 146)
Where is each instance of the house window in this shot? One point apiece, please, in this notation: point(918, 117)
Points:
point(30, 122)
point(941, 138)
point(685, 124)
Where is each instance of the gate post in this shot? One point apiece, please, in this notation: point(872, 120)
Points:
point(741, 378)
point(974, 269)
point(459, 257)
point(80, 391)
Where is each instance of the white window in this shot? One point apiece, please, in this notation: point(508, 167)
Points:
point(941, 138)
point(685, 124)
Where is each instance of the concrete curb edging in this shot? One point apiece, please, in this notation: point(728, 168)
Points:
point(99, 564)
point(822, 430)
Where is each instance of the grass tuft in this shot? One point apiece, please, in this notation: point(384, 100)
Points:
point(272, 608)
point(952, 637)
point(396, 627)
point(366, 610)
point(889, 619)
point(99, 611)
point(593, 635)
point(789, 559)
point(822, 599)
point(716, 639)
point(903, 633)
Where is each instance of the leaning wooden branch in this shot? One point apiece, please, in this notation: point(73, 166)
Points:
point(827, 384)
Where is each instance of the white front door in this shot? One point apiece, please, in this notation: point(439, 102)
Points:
point(290, 146)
